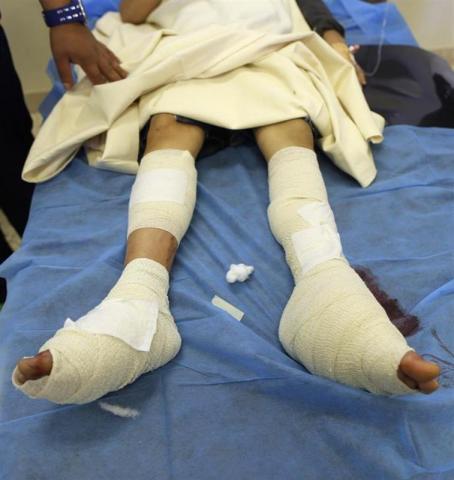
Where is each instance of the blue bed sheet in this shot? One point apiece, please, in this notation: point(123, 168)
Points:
point(233, 405)
point(368, 24)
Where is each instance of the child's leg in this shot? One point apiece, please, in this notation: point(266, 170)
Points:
point(332, 324)
point(132, 331)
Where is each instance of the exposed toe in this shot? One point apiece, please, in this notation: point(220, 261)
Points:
point(34, 368)
point(428, 387)
point(415, 367)
point(407, 380)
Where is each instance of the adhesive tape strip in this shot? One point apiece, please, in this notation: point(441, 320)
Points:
point(227, 307)
point(160, 185)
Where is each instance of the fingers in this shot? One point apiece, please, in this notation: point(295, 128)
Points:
point(64, 71)
point(110, 64)
point(104, 67)
point(107, 68)
point(361, 75)
point(348, 54)
point(112, 70)
point(359, 71)
point(112, 57)
point(109, 71)
point(109, 53)
point(94, 73)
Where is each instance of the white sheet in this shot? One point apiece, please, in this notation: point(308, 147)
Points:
point(224, 75)
point(272, 16)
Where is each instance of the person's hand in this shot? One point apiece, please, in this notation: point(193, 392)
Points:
point(74, 43)
point(336, 40)
point(348, 54)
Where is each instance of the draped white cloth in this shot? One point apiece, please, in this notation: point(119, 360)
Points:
point(183, 16)
point(244, 72)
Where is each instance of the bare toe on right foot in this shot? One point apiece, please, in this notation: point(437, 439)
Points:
point(414, 369)
point(34, 368)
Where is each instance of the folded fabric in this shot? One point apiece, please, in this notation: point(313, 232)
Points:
point(224, 75)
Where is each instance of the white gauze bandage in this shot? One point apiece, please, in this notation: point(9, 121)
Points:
point(105, 350)
point(164, 193)
point(332, 323)
point(299, 214)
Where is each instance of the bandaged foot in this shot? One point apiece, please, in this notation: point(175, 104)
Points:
point(130, 333)
point(332, 323)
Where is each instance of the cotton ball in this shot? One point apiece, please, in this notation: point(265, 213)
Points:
point(239, 273)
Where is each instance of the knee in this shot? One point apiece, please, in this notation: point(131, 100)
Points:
point(166, 132)
point(291, 133)
point(163, 125)
point(163, 121)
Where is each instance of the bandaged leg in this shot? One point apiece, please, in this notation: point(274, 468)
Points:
point(132, 331)
point(332, 323)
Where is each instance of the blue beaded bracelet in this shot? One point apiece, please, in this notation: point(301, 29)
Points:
point(72, 13)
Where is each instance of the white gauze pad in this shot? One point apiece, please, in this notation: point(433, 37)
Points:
point(133, 321)
point(162, 185)
point(320, 241)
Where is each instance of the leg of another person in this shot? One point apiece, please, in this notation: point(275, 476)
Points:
point(86, 359)
point(15, 140)
point(332, 323)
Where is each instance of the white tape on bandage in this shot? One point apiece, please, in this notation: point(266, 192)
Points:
point(133, 321)
point(320, 242)
point(318, 213)
point(160, 185)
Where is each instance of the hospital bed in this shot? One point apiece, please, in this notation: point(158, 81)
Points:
point(233, 404)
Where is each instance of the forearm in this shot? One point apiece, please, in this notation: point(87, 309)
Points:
point(338, 43)
point(333, 36)
point(136, 11)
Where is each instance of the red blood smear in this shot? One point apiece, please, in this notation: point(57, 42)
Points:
point(407, 324)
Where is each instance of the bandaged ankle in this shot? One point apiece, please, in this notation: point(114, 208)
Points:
point(164, 193)
point(332, 324)
point(130, 333)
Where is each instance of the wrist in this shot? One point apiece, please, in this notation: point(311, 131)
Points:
point(340, 46)
point(70, 13)
point(68, 27)
point(333, 36)
point(52, 4)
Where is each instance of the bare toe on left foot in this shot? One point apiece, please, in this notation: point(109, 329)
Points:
point(34, 368)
